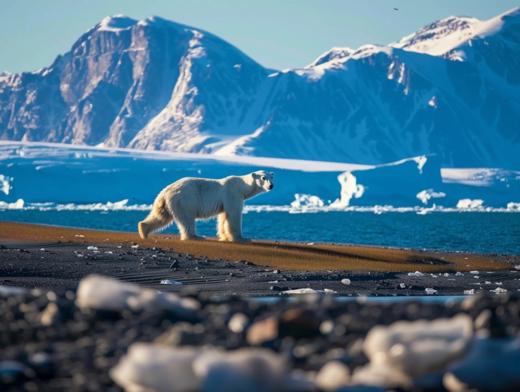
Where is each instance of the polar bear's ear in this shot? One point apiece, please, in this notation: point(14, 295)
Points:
point(255, 175)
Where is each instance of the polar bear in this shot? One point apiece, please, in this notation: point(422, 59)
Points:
point(198, 198)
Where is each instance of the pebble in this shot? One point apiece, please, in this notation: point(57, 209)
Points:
point(345, 281)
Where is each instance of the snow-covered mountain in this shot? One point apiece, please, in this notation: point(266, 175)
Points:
point(452, 89)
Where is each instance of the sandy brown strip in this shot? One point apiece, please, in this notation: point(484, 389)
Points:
point(282, 255)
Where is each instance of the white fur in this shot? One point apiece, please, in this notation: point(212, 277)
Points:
point(189, 199)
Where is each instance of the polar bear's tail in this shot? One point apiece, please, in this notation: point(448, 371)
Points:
point(158, 218)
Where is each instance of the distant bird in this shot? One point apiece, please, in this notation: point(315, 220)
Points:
point(396, 9)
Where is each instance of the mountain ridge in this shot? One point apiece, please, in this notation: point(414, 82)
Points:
point(159, 85)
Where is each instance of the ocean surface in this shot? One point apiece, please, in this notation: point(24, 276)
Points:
point(477, 232)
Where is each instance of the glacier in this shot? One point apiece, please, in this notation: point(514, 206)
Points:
point(451, 89)
point(45, 176)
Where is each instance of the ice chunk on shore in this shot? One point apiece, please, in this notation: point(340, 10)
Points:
point(100, 292)
point(416, 273)
point(412, 349)
point(308, 290)
point(430, 291)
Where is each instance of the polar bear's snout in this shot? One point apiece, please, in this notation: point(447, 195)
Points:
point(264, 180)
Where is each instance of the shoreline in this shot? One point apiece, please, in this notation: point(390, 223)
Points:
point(53, 257)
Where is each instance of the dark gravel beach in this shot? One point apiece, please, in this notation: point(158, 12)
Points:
point(49, 343)
point(57, 258)
point(60, 266)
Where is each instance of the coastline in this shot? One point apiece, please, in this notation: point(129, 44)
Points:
point(57, 258)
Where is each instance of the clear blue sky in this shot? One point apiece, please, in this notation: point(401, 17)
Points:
point(276, 33)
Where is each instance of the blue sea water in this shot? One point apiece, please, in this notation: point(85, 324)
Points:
point(495, 233)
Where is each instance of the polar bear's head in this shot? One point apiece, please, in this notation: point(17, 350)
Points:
point(263, 180)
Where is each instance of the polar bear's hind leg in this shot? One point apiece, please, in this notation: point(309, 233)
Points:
point(158, 218)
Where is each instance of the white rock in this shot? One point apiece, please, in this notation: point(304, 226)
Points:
point(345, 281)
point(419, 347)
point(491, 365)
point(238, 322)
point(247, 369)
point(308, 290)
point(402, 285)
point(92, 247)
point(100, 292)
point(155, 368)
point(11, 290)
point(171, 282)
point(416, 273)
point(332, 375)
point(458, 273)
point(430, 291)
point(382, 376)
point(474, 272)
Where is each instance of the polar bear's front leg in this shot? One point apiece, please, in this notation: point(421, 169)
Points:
point(222, 227)
point(233, 222)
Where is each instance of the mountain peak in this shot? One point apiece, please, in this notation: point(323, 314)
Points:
point(116, 22)
point(335, 53)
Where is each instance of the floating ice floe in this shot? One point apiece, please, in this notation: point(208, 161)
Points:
point(5, 184)
point(426, 195)
point(406, 350)
point(430, 291)
point(470, 204)
point(17, 205)
point(469, 292)
point(99, 292)
point(416, 273)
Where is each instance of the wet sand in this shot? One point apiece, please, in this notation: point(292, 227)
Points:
point(57, 258)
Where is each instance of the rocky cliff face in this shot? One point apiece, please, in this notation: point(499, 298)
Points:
point(452, 89)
